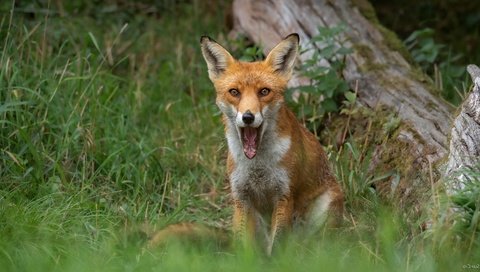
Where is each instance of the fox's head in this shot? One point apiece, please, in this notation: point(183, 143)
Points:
point(250, 93)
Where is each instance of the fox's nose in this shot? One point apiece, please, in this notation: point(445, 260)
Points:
point(248, 117)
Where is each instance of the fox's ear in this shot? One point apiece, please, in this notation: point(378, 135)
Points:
point(283, 55)
point(216, 56)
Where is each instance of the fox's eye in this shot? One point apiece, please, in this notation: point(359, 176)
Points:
point(264, 92)
point(234, 92)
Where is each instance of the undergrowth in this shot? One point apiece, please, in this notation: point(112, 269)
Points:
point(323, 67)
point(440, 63)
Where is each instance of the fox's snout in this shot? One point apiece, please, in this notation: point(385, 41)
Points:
point(248, 117)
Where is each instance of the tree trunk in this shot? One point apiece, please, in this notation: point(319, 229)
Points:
point(465, 139)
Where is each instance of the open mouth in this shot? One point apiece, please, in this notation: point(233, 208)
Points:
point(250, 139)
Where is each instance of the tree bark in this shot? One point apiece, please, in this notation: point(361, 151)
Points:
point(379, 64)
point(464, 154)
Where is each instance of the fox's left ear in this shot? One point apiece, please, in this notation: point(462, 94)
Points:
point(283, 55)
point(217, 57)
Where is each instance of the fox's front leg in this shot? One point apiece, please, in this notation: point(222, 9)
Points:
point(243, 223)
point(281, 221)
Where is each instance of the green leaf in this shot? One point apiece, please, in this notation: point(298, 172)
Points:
point(250, 51)
point(329, 82)
point(246, 58)
point(307, 110)
point(316, 73)
point(422, 33)
point(307, 89)
point(343, 87)
point(328, 52)
point(351, 97)
point(329, 105)
point(344, 50)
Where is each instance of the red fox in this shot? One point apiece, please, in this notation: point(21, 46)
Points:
point(279, 174)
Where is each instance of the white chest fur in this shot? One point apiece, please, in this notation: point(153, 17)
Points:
point(262, 179)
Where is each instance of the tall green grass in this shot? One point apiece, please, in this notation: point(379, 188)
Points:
point(108, 130)
point(105, 123)
point(121, 110)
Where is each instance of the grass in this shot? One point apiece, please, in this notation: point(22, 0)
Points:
point(108, 130)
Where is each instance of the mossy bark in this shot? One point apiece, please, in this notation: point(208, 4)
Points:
point(402, 176)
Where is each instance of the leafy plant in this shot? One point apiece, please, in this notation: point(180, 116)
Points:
point(252, 53)
point(323, 67)
point(423, 48)
point(440, 63)
point(245, 50)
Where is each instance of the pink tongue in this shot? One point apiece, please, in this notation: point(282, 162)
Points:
point(250, 142)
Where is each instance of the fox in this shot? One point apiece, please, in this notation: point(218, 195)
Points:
point(279, 174)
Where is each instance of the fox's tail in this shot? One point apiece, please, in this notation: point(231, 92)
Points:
point(191, 233)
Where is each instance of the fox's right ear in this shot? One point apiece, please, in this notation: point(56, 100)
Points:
point(217, 58)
